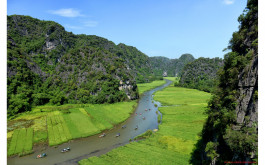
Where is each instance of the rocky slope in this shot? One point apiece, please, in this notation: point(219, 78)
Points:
point(231, 129)
point(201, 74)
point(46, 64)
point(171, 67)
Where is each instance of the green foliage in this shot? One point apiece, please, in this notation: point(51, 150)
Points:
point(200, 74)
point(47, 65)
point(211, 150)
point(159, 118)
point(144, 135)
point(237, 141)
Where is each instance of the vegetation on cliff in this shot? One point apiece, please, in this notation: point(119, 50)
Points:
point(171, 66)
point(46, 64)
point(201, 74)
point(231, 130)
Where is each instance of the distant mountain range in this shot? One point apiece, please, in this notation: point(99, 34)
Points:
point(172, 67)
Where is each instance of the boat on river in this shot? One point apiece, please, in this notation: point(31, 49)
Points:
point(65, 150)
point(41, 155)
point(103, 135)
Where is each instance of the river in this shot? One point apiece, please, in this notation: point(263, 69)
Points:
point(95, 146)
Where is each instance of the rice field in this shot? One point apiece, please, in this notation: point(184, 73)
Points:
point(148, 86)
point(58, 124)
point(176, 137)
point(21, 141)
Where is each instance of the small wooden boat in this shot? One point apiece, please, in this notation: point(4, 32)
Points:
point(41, 155)
point(65, 150)
point(103, 135)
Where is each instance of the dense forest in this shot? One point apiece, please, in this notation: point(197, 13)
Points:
point(46, 64)
point(171, 67)
point(200, 74)
point(231, 130)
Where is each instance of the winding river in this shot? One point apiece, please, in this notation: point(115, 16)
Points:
point(94, 146)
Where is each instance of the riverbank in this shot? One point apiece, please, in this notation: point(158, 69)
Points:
point(182, 120)
point(54, 125)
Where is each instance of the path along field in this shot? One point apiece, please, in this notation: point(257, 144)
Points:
point(182, 120)
point(58, 124)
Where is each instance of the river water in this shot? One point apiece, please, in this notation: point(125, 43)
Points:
point(95, 146)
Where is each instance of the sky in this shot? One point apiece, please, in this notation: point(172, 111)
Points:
point(167, 28)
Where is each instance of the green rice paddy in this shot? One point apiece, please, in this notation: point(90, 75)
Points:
point(58, 124)
point(21, 141)
point(182, 120)
point(148, 86)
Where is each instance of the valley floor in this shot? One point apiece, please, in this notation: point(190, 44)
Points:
point(182, 120)
point(58, 124)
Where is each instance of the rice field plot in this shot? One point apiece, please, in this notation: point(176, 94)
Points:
point(176, 137)
point(148, 86)
point(174, 79)
point(58, 131)
point(21, 141)
point(185, 96)
point(80, 124)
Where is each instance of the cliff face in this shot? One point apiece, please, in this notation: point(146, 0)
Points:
point(171, 67)
point(247, 102)
point(231, 129)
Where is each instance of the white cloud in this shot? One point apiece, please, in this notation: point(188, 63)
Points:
point(90, 23)
point(229, 2)
point(66, 12)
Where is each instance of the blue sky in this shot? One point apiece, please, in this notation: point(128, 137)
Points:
point(167, 28)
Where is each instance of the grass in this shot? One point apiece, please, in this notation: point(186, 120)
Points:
point(176, 137)
point(58, 124)
point(159, 118)
point(148, 86)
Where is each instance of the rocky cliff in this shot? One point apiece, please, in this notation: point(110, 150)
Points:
point(172, 67)
point(231, 129)
point(201, 74)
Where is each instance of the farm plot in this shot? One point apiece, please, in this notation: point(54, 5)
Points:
point(110, 114)
point(21, 141)
point(148, 86)
point(80, 124)
point(58, 131)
